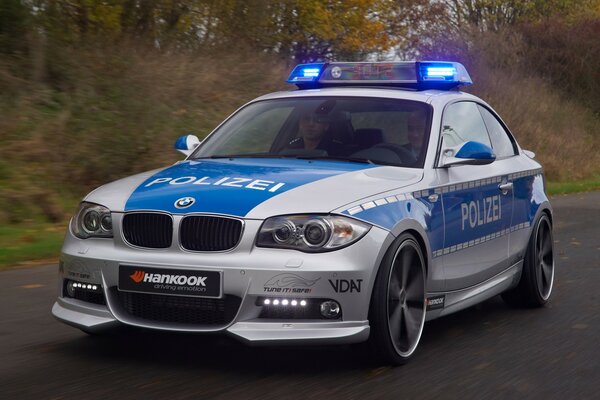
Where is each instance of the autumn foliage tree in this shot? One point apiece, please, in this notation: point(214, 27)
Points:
point(301, 29)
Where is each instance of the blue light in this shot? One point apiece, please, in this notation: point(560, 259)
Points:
point(440, 71)
point(311, 72)
point(442, 74)
point(420, 75)
point(306, 73)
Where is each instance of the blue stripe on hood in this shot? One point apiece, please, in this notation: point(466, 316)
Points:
point(230, 186)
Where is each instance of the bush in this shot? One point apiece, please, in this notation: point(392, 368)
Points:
point(568, 55)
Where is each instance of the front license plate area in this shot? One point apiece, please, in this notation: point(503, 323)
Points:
point(175, 282)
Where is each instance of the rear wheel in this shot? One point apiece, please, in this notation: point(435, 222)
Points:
point(397, 312)
point(536, 282)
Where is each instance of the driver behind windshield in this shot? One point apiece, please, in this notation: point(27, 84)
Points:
point(314, 133)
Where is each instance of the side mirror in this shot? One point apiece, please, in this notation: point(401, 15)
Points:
point(468, 153)
point(529, 153)
point(187, 144)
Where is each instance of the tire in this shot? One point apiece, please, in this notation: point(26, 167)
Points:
point(397, 311)
point(535, 287)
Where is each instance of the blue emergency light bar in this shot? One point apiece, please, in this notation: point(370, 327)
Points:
point(419, 75)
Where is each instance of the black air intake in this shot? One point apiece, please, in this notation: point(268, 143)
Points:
point(180, 309)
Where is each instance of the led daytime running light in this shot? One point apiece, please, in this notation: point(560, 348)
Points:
point(279, 302)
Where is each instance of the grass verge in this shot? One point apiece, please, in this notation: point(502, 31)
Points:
point(24, 243)
point(584, 185)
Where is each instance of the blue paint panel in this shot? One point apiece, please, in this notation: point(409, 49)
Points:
point(386, 216)
point(479, 221)
point(476, 150)
point(181, 143)
point(528, 195)
point(252, 180)
point(429, 215)
point(434, 221)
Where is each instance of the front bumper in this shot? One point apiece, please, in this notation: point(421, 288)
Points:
point(95, 319)
point(245, 270)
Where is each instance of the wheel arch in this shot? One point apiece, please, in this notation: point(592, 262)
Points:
point(544, 208)
point(548, 210)
point(419, 232)
point(414, 228)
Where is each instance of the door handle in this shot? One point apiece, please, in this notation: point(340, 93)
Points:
point(505, 187)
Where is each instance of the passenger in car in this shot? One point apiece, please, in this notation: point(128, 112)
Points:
point(415, 131)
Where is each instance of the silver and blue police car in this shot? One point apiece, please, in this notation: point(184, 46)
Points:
point(374, 198)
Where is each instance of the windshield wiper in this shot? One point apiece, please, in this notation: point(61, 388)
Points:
point(337, 158)
point(255, 155)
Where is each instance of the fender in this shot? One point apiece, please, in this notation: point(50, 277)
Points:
point(421, 233)
point(406, 225)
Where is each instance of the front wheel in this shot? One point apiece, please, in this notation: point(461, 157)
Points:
point(397, 312)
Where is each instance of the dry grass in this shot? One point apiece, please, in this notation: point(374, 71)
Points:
point(106, 113)
point(564, 135)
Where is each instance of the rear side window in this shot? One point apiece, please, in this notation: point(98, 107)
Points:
point(502, 143)
point(462, 122)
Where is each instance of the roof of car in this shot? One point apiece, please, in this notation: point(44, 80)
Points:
point(381, 92)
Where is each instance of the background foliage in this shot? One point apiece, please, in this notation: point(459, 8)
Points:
point(91, 91)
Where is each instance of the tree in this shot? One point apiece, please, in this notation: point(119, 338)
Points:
point(310, 30)
point(13, 26)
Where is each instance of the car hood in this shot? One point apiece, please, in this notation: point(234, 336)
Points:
point(252, 187)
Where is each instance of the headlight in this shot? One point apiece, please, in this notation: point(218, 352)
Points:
point(92, 220)
point(310, 233)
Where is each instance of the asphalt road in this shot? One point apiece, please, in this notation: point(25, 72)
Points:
point(489, 351)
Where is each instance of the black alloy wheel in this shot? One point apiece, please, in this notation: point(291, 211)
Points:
point(397, 314)
point(535, 287)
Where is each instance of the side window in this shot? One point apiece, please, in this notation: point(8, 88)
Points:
point(462, 122)
point(501, 142)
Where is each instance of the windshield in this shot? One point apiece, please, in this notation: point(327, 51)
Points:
point(355, 129)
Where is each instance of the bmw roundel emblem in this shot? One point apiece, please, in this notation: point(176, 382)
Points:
point(185, 202)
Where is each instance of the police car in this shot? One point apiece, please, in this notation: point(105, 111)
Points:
point(374, 198)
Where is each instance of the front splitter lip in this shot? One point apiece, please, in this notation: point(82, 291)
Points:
point(90, 318)
point(290, 332)
point(96, 319)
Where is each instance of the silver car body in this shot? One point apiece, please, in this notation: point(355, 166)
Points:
point(463, 267)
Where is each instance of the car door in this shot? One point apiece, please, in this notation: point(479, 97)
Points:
point(477, 203)
point(518, 179)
